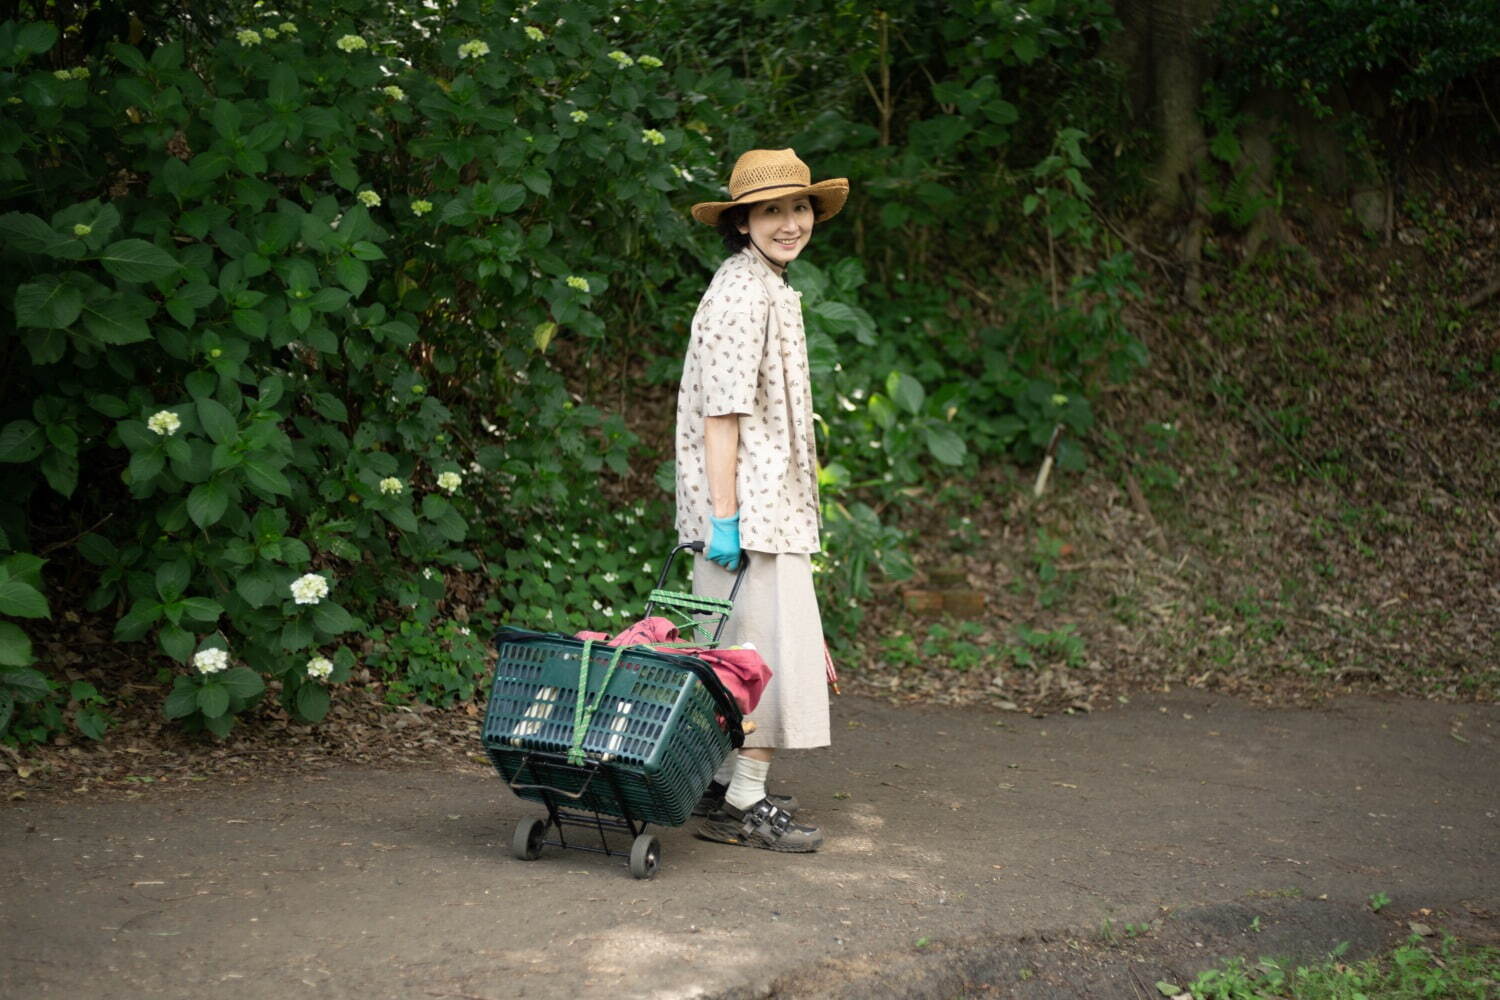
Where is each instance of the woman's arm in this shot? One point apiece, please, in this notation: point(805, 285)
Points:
point(721, 441)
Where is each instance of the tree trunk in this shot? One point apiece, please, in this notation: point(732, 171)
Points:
point(1166, 66)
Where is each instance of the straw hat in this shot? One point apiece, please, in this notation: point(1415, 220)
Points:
point(768, 174)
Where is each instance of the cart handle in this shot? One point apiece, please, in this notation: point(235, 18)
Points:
point(666, 571)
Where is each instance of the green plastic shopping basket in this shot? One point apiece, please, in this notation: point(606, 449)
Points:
point(637, 742)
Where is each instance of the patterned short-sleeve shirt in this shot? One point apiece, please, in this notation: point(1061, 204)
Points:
point(748, 355)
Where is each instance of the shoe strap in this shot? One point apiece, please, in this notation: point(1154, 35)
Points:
point(766, 818)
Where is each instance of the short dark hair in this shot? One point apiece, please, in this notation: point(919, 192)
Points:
point(730, 221)
point(735, 216)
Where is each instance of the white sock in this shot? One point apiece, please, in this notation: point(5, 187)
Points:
point(725, 774)
point(749, 784)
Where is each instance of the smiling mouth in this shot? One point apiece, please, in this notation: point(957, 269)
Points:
point(785, 243)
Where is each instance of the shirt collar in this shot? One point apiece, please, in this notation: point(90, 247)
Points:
point(760, 262)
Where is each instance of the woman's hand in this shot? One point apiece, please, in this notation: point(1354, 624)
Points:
point(724, 542)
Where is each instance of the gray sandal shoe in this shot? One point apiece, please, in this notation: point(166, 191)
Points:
point(763, 825)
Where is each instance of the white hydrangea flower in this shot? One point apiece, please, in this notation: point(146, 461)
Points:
point(598, 606)
point(394, 92)
point(449, 481)
point(427, 572)
point(352, 43)
point(67, 74)
point(309, 588)
point(164, 423)
point(82, 229)
point(546, 564)
point(464, 630)
point(369, 199)
point(574, 281)
point(390, 486)
point(621, 59)
point(247, 37)
point(631, 549)
point(652, 137)
point(1059, 399)
point(319, 668)
point(535, 34)
point(609, 612)
point(421, 207)
point(610, 578)
point(211, 661)
point(579, 116)
point(475, 49)
point(287, 28)
point(646, 568)
point(650, 62)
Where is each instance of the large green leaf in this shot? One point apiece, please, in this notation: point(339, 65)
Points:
point(30, 234)
point(202, 609)
point(141, 616)
point(906, 391)
point(242, 682)
point(176, 641)
point(352, 274)
point(213, 699)
point(15, 646)
point(116, 320)
point(207, 503)
point(255, 587)
point(217, 422)
point(296, 634)
point(25, 684)
point(312, 702)
point(21, 441)
point(21, 600)
point(945, 445)
point(331, 619)
point(183, 701)
point(263, 475)
point(137, 261)
point(61, 471)
point(172, 578)
point(48, 303)
point(33, 39)
point(283, 88)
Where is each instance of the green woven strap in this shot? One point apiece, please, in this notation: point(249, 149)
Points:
point(700, 614)
point(693, 602)
point(584, 714)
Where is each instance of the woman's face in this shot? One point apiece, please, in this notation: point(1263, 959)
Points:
point(781, 228)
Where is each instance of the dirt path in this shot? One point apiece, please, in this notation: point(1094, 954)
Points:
point(961, 827)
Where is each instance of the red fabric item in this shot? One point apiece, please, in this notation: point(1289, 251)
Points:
point(743, 672)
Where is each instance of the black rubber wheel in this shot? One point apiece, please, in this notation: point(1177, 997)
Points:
point(526, 843)
point(645, 856)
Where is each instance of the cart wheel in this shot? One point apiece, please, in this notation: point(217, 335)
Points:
point(526, 843)
point(645, 856)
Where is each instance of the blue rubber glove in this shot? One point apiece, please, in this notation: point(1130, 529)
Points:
point(724, 543)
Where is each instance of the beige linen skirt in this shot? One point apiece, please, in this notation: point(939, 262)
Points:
point(777, 612)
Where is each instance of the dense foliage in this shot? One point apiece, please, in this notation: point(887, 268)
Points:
point(1327, 52)
point(345, 329)
point(314, 308)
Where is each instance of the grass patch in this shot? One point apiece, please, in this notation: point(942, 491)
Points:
point(1416, 969)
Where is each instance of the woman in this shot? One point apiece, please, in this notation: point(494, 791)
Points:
point(747, 479)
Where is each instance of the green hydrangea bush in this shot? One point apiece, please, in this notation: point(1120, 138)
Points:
point(284, 294)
